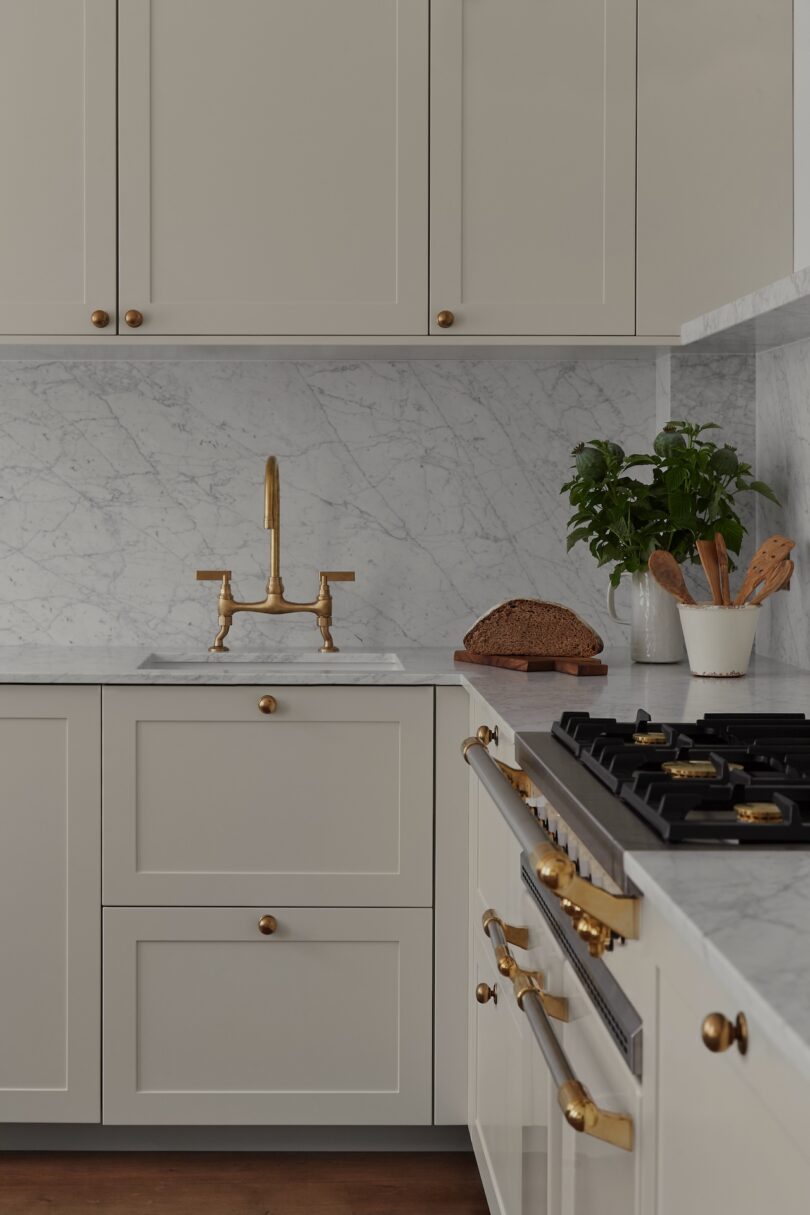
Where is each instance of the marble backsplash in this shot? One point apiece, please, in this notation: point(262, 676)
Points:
point(438, 482)
point(783, 460)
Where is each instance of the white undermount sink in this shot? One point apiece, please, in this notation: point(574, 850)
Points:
point(278, 662)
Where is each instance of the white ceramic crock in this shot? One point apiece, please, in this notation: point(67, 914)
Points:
point(655, 631)
point(718, 639)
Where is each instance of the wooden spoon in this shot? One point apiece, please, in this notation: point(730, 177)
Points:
point(722, 563)
point(668, 574)
point(708, 559)
point(778, 576)
point(772, 550)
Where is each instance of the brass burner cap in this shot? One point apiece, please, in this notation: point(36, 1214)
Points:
point(689, 769)
point(654, 739)
point(758, 812)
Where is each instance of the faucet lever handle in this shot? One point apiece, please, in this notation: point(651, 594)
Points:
point(212, 575)
point(338, 575)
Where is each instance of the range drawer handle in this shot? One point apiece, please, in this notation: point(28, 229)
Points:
point(268, 704)
point(529, 980)
point(554, 868)
point(267, 925)
point(579, 1109)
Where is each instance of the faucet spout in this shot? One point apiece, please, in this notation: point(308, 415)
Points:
point(272, 519)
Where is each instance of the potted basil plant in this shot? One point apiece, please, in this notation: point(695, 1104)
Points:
point(626, 506)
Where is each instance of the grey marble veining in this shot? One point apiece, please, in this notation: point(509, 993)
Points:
point(772, 316)
point(783, 459)
point(437, 481)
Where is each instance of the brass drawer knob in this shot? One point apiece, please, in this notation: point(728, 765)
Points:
point(133, 318)
point(484, 993)
point(719, 1033)
point(487, 735)
point(445, 318)
point(268, 704)
point(100, 318)
point(268, 925)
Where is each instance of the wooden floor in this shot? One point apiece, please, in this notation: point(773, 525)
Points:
point(240, 1183)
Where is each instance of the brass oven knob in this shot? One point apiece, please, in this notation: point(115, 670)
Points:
point(445, 318)
point(719, 1033)
point(484, 993)
point(100, 318)
point(268, 704)
point(486, 735)
point(268, 925)
point(133, 318)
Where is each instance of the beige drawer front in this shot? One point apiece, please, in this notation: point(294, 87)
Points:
point(326, 801)
point(327, 1021)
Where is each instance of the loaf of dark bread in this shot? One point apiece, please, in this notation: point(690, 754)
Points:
point(533, 627)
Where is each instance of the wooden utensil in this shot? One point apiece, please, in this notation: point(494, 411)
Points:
point(668, 574)
point(707, 551)
point(777, 577)
point(772, 550)
point(722, 564)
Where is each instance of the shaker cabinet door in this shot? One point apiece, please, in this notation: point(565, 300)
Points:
point(273, 160)
point(326, 802)
point(50, 931)
point(326, 1020)
point(57, 151)
point(533, 166)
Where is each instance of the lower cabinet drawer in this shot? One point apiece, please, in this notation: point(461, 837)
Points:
point(325, 1021)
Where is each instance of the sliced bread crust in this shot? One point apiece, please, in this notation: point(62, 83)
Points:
point(533, 627)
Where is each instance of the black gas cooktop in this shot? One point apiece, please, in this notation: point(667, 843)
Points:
point(742, 777)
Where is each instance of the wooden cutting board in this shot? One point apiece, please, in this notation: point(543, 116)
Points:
point(531, 662)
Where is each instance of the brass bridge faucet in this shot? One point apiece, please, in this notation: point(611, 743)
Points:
point(275, 604)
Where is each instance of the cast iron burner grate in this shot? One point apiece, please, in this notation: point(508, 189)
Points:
point(728, 776)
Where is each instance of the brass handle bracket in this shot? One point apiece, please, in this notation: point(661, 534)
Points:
point(523, 981)
point(584, 1115)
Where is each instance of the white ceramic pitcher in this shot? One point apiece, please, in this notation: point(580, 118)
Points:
point(655, 629)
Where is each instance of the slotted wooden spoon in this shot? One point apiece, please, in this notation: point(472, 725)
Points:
point(778, 576)
point(769, 553)
point(668, 574)
point(722, 565)
point(707, 551)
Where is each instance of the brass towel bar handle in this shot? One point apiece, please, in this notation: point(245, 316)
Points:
point(554, 868)
point(524, 980)
point(578, 1107)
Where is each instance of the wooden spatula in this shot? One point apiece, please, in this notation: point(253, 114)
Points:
point(770, 552)
point(708, 559)
point(722, 565)
point(668, 574)
point(778, 576)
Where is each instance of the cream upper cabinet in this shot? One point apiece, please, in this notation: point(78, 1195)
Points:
point(533, 166)
point(273, 166)
point(50, 933)
point(326, 801)
point(715, 154)
point(57, 151)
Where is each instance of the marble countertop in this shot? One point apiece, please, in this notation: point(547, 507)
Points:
point(770, 317)
point(746, 914)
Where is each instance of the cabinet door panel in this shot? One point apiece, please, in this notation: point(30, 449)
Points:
point(50, 937)
point(327, 1021)
point(715, 154)
point(328, 801)
point(533, 166)
point(273, 160)
point(57, 149)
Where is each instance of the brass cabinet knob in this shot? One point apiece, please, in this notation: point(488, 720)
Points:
point(484, 993)
point(268, 925)
point(268, 704)
point(133, 318)
point(445, 318)
point(100, 318)
point(486, 735)
point(719, 1033)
